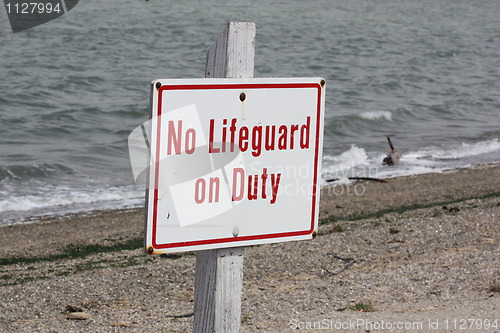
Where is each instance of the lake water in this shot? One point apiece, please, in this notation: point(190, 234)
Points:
point(71, 91)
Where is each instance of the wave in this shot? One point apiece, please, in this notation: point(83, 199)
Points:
point(462, 151)
point(357, 162)
point(349, 159)
point(62, 200)
point(376, 115)
point(33, 171)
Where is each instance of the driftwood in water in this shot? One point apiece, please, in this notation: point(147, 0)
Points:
point(394, 156)
point(359, 178)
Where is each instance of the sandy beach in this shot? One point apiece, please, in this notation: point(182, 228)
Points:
point(415, 254)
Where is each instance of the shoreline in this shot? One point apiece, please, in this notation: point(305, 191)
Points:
point(51, 217)
point(411, 191)
point(337, 202)
point(415, 248)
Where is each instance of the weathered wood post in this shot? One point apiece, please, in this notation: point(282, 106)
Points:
point(219, 272)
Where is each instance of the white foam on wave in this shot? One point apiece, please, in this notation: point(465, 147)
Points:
point(337, 165)
point(464, 150)
point(62, 200)
point(376, 115)
point(356, 162)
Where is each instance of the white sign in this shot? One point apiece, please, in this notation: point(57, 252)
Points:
point(233, 162)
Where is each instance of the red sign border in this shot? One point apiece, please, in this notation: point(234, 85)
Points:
point(235, 86)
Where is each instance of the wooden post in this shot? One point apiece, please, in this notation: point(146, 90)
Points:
point(219, 272)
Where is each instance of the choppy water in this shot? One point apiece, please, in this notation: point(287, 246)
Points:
point(426, 72)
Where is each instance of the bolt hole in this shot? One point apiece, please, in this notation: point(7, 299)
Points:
point(243, 96)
